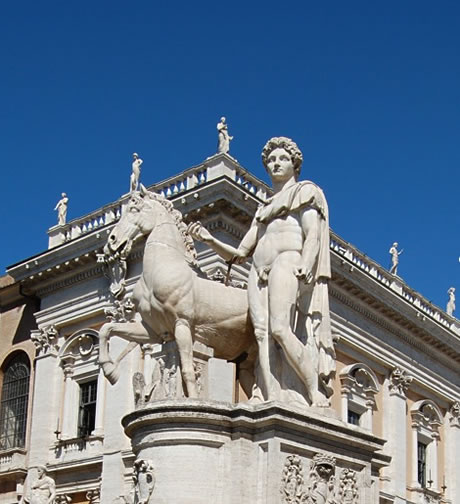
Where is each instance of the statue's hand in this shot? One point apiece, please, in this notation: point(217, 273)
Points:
point(199, 232)
point(303, 274)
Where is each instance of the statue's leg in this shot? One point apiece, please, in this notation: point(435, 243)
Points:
point(183, 337)
point(258, 311)
point(134, 332)
point(282, 297)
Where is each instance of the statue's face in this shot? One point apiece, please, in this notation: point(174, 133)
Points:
point(40, 472)
point(279, 165)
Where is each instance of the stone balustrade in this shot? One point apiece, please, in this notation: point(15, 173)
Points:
point(212, 169)
point(12, 459)
point(86, 224)
point(424, 307)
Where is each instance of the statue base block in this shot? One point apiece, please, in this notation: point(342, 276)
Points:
point(212, 452)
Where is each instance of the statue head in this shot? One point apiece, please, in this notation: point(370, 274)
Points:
point(41, 470)
point(222, 119)
point(64, 195)
point(135, 155)
point(395, 244)
point(289, 146)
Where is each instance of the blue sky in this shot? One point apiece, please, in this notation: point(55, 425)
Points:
point(370, 92)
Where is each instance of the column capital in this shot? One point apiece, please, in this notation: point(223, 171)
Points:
point(454, 415)
point(399, 382)
point(45, 340)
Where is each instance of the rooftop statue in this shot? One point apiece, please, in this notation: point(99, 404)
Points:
point(288, 280)
point(43, 489)
point(61, 208)
point(136, 173)
point(173, 299)
point(395, 253)
point(223, 136)
point(451, 303)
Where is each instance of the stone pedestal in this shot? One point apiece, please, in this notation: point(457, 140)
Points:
point(203, 451)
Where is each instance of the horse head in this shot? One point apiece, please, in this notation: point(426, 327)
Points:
point(138, 220)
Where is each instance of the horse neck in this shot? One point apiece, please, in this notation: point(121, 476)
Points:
point(165, 234)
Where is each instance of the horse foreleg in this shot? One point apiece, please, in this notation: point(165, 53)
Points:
point(183, 337)
point(134, 332)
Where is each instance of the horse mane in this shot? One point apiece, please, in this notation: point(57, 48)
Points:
point(190, 251)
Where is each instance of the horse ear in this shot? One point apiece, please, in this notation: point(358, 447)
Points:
point(144, 191)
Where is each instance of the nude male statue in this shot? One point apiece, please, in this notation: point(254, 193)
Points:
point(61, 207)
point(287, 285)
point(395, 258)
point(136, 173)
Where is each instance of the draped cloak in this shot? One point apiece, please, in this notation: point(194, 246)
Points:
point(313, 299)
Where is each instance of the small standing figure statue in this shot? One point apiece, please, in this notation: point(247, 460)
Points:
point(395, 258)
point(224, 138)
point(451, 303)
point(134, 180)
point(42, 490)
point(61, 207)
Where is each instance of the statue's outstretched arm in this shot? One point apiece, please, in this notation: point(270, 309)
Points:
point(227, 252)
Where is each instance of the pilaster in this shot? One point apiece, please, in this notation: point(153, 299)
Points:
point(395, 433)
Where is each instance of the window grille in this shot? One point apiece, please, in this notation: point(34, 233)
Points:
point(353, 417)
point(87, 414)
point(421, 463)
point(15, 398)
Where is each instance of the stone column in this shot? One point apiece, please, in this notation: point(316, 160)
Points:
point(395, 433)
point(433, 456)
point(414, 476)
point(451, 458)
point(100, 405)
point(119, 400)
point(70, 397)
point(47, 385)
point(147, 351)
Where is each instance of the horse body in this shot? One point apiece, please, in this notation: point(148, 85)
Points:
point(174, 302)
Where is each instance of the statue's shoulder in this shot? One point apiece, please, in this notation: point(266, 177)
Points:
point(307, 193)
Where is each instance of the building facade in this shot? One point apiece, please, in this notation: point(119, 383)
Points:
point(397, 355)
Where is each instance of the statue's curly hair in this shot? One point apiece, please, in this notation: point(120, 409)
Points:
point(289, 146)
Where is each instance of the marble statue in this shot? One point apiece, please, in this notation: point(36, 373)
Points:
point(224, 138)
point(172, 297)
point(451, 303)
point(61, 208)
point(288, 280)
point(395, 253)
point(43, 489)
point(144, 481)
point(136, 173)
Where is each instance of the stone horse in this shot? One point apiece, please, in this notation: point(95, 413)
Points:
point(172, 296)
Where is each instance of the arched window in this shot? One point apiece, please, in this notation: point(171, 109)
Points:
point(15, 398)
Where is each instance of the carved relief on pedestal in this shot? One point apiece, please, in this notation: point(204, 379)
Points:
point(163, 383)
point(45, 339)
point(321, 483)
point(292, 480)
point(348, 487)
point(321, 480)
point(399, 381)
